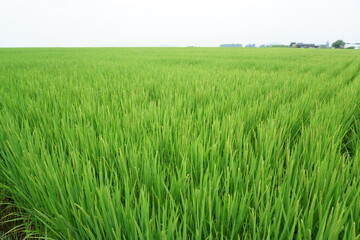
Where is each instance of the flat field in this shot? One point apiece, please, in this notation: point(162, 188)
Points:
point(180, 143)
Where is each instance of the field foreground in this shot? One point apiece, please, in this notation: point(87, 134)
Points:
point(180, 143)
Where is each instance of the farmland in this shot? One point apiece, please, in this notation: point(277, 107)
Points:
point(180, 143)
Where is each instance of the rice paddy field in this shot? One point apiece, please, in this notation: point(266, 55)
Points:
point(179, 143)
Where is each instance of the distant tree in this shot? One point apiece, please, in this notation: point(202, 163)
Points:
point(352, 47)
point(327, 44)
point(338, 44)
point(292, 44)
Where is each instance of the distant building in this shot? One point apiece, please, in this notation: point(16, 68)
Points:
point(305, 45)
point(352, 45)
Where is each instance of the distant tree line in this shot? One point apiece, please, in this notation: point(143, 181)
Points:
point(250, 45)
point(336, 44)
point(280, 46)
point(231, 45)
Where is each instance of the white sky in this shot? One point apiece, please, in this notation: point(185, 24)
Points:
point(90, 23)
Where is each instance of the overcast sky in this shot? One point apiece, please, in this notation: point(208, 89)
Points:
point(90, 23)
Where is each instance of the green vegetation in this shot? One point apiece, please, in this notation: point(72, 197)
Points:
point(180, 143)
point(338, 44)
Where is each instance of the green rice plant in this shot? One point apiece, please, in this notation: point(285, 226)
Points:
point(179, 143)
